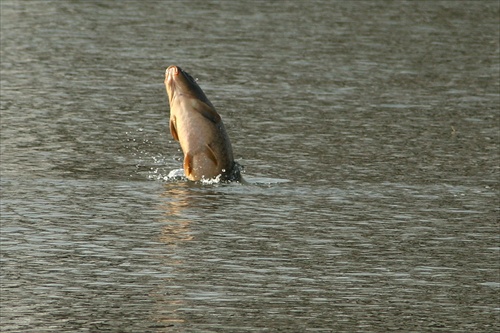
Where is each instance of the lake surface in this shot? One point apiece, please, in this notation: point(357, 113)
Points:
point(369, 132)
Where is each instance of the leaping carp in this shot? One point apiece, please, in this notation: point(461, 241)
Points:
point(198, 127)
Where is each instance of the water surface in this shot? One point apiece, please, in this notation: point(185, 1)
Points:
point(369, 132)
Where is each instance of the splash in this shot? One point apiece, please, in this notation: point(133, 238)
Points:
point(178, 175)
point(173, 175)
point(211, 181)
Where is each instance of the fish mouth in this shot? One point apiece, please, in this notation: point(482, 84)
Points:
point(171, 74)
point(180, 83)
point(172, 70)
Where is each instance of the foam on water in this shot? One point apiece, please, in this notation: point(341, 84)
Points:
point(177, 175)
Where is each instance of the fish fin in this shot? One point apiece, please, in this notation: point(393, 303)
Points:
point(173, 129)
point(211, 154)
point(188, 165)
point(209, 112)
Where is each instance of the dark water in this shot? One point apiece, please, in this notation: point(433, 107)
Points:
point(370, 136)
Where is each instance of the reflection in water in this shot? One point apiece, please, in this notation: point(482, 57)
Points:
point(184, 204)
point(174, 232)
point(186, 208)
point(177, 198)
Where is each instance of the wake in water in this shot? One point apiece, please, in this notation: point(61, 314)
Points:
point(179, 175)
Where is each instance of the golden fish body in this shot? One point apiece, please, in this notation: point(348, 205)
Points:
point(198, 128)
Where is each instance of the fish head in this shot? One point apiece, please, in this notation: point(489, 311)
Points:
point(179, 83)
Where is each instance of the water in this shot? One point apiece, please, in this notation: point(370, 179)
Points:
point(369, 132)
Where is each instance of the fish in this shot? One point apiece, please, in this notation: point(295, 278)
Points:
point(198, 127)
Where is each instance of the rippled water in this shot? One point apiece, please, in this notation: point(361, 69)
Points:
point(369, 132)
